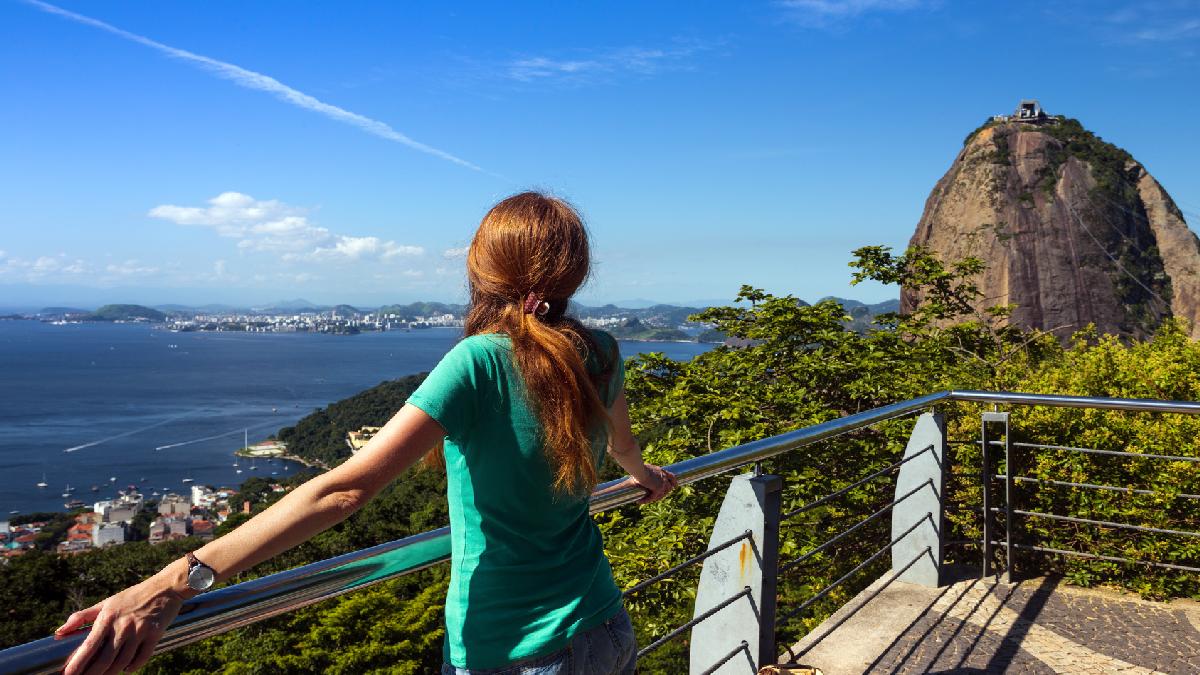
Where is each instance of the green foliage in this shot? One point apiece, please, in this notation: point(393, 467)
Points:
point(634, 329)
point(322, 435)
point(125, 313)
point(413, 310)
point(1164, 367)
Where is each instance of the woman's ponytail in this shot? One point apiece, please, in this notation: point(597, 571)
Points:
point(528, 257)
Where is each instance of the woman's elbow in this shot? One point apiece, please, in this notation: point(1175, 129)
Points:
point(345, 502)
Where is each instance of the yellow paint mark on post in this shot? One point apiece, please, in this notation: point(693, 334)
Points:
point(743, 559)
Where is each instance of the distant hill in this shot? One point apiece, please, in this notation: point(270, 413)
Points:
point(872, 308)
point(125, 313)
point(214, 308)
point(658, 316)
point(415, 309)
point(63, 311)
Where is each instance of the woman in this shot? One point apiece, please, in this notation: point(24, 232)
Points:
point(521, 410)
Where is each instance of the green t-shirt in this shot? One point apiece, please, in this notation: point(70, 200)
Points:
point(528, 567)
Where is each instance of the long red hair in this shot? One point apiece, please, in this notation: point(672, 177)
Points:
point(532, 249)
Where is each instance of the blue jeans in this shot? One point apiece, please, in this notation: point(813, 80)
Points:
point(607, 649)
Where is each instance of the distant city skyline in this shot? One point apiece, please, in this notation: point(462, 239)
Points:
point(243, 154)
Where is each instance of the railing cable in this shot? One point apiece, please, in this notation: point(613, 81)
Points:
point(788, 566)
point(744, 593)
point(1094, 486)
point(859, 483)
point(857, 568)
point(1108, 558)
point(683, 565)
point(1096, 451)
point(744, 647)
point(1105, 523)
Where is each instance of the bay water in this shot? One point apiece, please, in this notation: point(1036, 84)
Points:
point(105, 406)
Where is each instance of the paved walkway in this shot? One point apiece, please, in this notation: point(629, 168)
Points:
point(1035, 626)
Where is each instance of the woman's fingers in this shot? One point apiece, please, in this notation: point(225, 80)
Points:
point(129, 644)
point(102, 658)
point(77, 620)
point(83, 654)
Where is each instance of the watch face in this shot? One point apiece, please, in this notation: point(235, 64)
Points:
point(200, 578)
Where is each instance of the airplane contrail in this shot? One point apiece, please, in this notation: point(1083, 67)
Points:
point(252, 80)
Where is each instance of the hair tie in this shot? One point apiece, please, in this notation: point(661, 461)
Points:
point(535, 305)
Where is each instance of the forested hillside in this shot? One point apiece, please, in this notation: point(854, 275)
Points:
point(322, 435)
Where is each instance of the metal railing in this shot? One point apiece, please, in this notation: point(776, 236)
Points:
point(231, 607)
point(1015, 456)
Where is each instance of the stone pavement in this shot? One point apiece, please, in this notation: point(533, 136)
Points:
point(972, 626)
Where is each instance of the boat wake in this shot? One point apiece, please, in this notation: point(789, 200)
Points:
point(126, 433)
point(215, 436)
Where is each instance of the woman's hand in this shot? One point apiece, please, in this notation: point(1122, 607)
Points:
point(125, 629)
point(657, 481)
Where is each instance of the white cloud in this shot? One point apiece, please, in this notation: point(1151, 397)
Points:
point(1169, 32)
point(252, 80)
point(130, 268)
point(824, 13)
point(46, 264)
point(45, 268)
point(459, 252)
point(271, 226)
point(638, 60)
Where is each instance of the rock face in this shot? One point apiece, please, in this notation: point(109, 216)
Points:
point(1072, 229)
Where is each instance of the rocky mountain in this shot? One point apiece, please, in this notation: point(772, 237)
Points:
point(1073, 230)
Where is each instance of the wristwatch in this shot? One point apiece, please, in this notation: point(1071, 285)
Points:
point(200, 577)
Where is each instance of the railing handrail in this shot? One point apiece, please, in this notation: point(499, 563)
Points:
point(248, 602)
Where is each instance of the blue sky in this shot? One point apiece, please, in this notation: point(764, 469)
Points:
point(248, 152)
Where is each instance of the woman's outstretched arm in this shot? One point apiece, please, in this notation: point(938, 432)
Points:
point(624, 448)
point(127, 626)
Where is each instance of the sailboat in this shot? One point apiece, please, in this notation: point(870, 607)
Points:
point(67, 492)
point(42, 483)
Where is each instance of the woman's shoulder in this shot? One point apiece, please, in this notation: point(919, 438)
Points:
point(606, 345)
point(603, 339)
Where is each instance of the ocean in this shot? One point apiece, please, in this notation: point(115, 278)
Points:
point(98, 407)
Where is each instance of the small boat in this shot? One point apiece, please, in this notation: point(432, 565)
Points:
point(238, 471)
point(42, 483)
point(187, 480)
point(143, 479)
point(95, 488)
point(13, 512)
point(74, 504)
point(112, 479)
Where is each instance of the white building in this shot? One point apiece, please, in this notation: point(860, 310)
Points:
point(104, 534)
point(116, 511)
point(202, 495)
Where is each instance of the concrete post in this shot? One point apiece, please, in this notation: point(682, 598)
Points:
point(925, 504)
point(752, 503)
